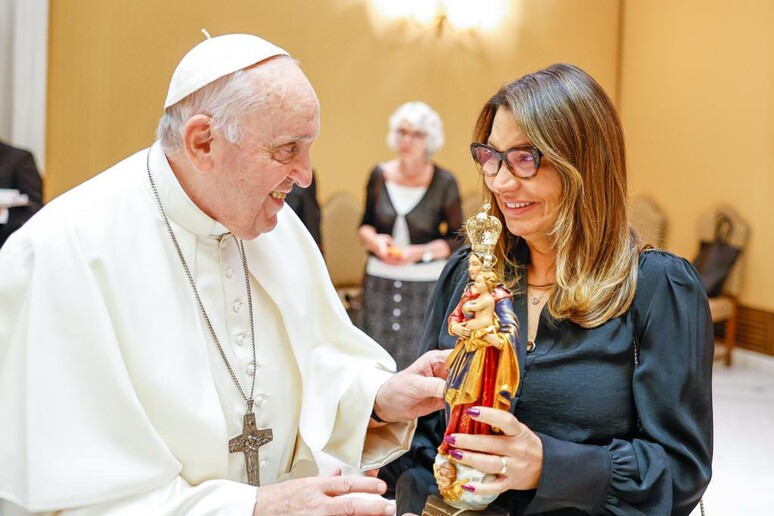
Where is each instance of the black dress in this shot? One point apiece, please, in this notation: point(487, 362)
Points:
point(394, 309)
point(624, 410)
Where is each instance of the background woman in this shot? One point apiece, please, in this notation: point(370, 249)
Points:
point(409, 228)
point(614, 413)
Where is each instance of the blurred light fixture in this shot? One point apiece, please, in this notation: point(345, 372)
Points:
point(482, 15)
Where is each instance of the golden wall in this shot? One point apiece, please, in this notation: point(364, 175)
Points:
point(693, 78)
point(110, 64)
point(697, 101)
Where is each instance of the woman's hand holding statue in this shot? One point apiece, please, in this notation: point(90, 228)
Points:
point(516, 456)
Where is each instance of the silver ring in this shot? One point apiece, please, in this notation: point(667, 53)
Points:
point(504, 462)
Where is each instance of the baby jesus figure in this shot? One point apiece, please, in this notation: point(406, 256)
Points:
point(482, 307)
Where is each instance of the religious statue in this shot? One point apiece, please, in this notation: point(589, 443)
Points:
point(483, 369)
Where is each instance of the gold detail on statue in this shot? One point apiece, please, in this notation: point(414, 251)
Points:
point(483, 232)
point(449, 485)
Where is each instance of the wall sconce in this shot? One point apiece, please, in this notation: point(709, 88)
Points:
point(484, 15)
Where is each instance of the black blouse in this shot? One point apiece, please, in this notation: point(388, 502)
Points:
point(624, 410)
point(440, 204)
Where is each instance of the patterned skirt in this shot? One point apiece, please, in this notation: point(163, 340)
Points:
point(393, 313)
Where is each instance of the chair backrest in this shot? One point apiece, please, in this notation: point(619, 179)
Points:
point(738, 236)
point(345, 257)
point(648, 219)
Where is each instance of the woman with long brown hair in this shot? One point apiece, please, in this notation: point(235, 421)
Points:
point(614, 413)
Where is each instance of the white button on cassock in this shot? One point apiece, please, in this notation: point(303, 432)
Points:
point(229, 273)
point(237, 306)
point(251, 369)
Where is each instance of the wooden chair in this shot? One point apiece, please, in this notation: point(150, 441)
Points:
point(344, 256)
point(649, 220)
point(724, 308)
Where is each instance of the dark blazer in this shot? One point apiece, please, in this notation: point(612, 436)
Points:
point(18, 171)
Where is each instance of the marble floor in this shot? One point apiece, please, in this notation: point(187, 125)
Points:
point(743, 464)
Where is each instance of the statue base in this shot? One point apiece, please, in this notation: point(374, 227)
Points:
point(435, 506)
point(451, 476)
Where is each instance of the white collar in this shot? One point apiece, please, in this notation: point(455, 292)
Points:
point(177, 205)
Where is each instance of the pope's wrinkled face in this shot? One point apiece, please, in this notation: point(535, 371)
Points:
point(273, 152)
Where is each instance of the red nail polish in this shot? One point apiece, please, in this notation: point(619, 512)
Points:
point(473, 412)
point(466, 487)
point(450, 439)
point(456, 454)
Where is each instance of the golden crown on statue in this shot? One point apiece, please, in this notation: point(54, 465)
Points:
point(483, 232)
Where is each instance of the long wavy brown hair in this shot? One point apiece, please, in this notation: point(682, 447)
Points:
point(568, 116)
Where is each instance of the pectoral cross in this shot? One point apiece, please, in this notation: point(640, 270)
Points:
point(249, 442)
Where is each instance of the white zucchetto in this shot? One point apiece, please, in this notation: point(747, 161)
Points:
point(214, 58)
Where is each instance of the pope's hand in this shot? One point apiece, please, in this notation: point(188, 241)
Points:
point(322, 496)
point(415, 391)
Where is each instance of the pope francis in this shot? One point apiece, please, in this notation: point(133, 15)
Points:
point(170, 342)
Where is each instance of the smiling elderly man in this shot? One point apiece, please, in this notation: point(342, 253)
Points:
point(169, 336)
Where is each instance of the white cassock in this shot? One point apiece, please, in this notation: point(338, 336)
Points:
point(114, 397)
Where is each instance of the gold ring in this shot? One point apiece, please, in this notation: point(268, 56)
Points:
point(504, 462)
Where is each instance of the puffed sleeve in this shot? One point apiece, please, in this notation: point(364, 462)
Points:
point(666, 466)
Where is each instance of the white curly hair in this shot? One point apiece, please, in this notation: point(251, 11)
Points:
point(422, 118)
